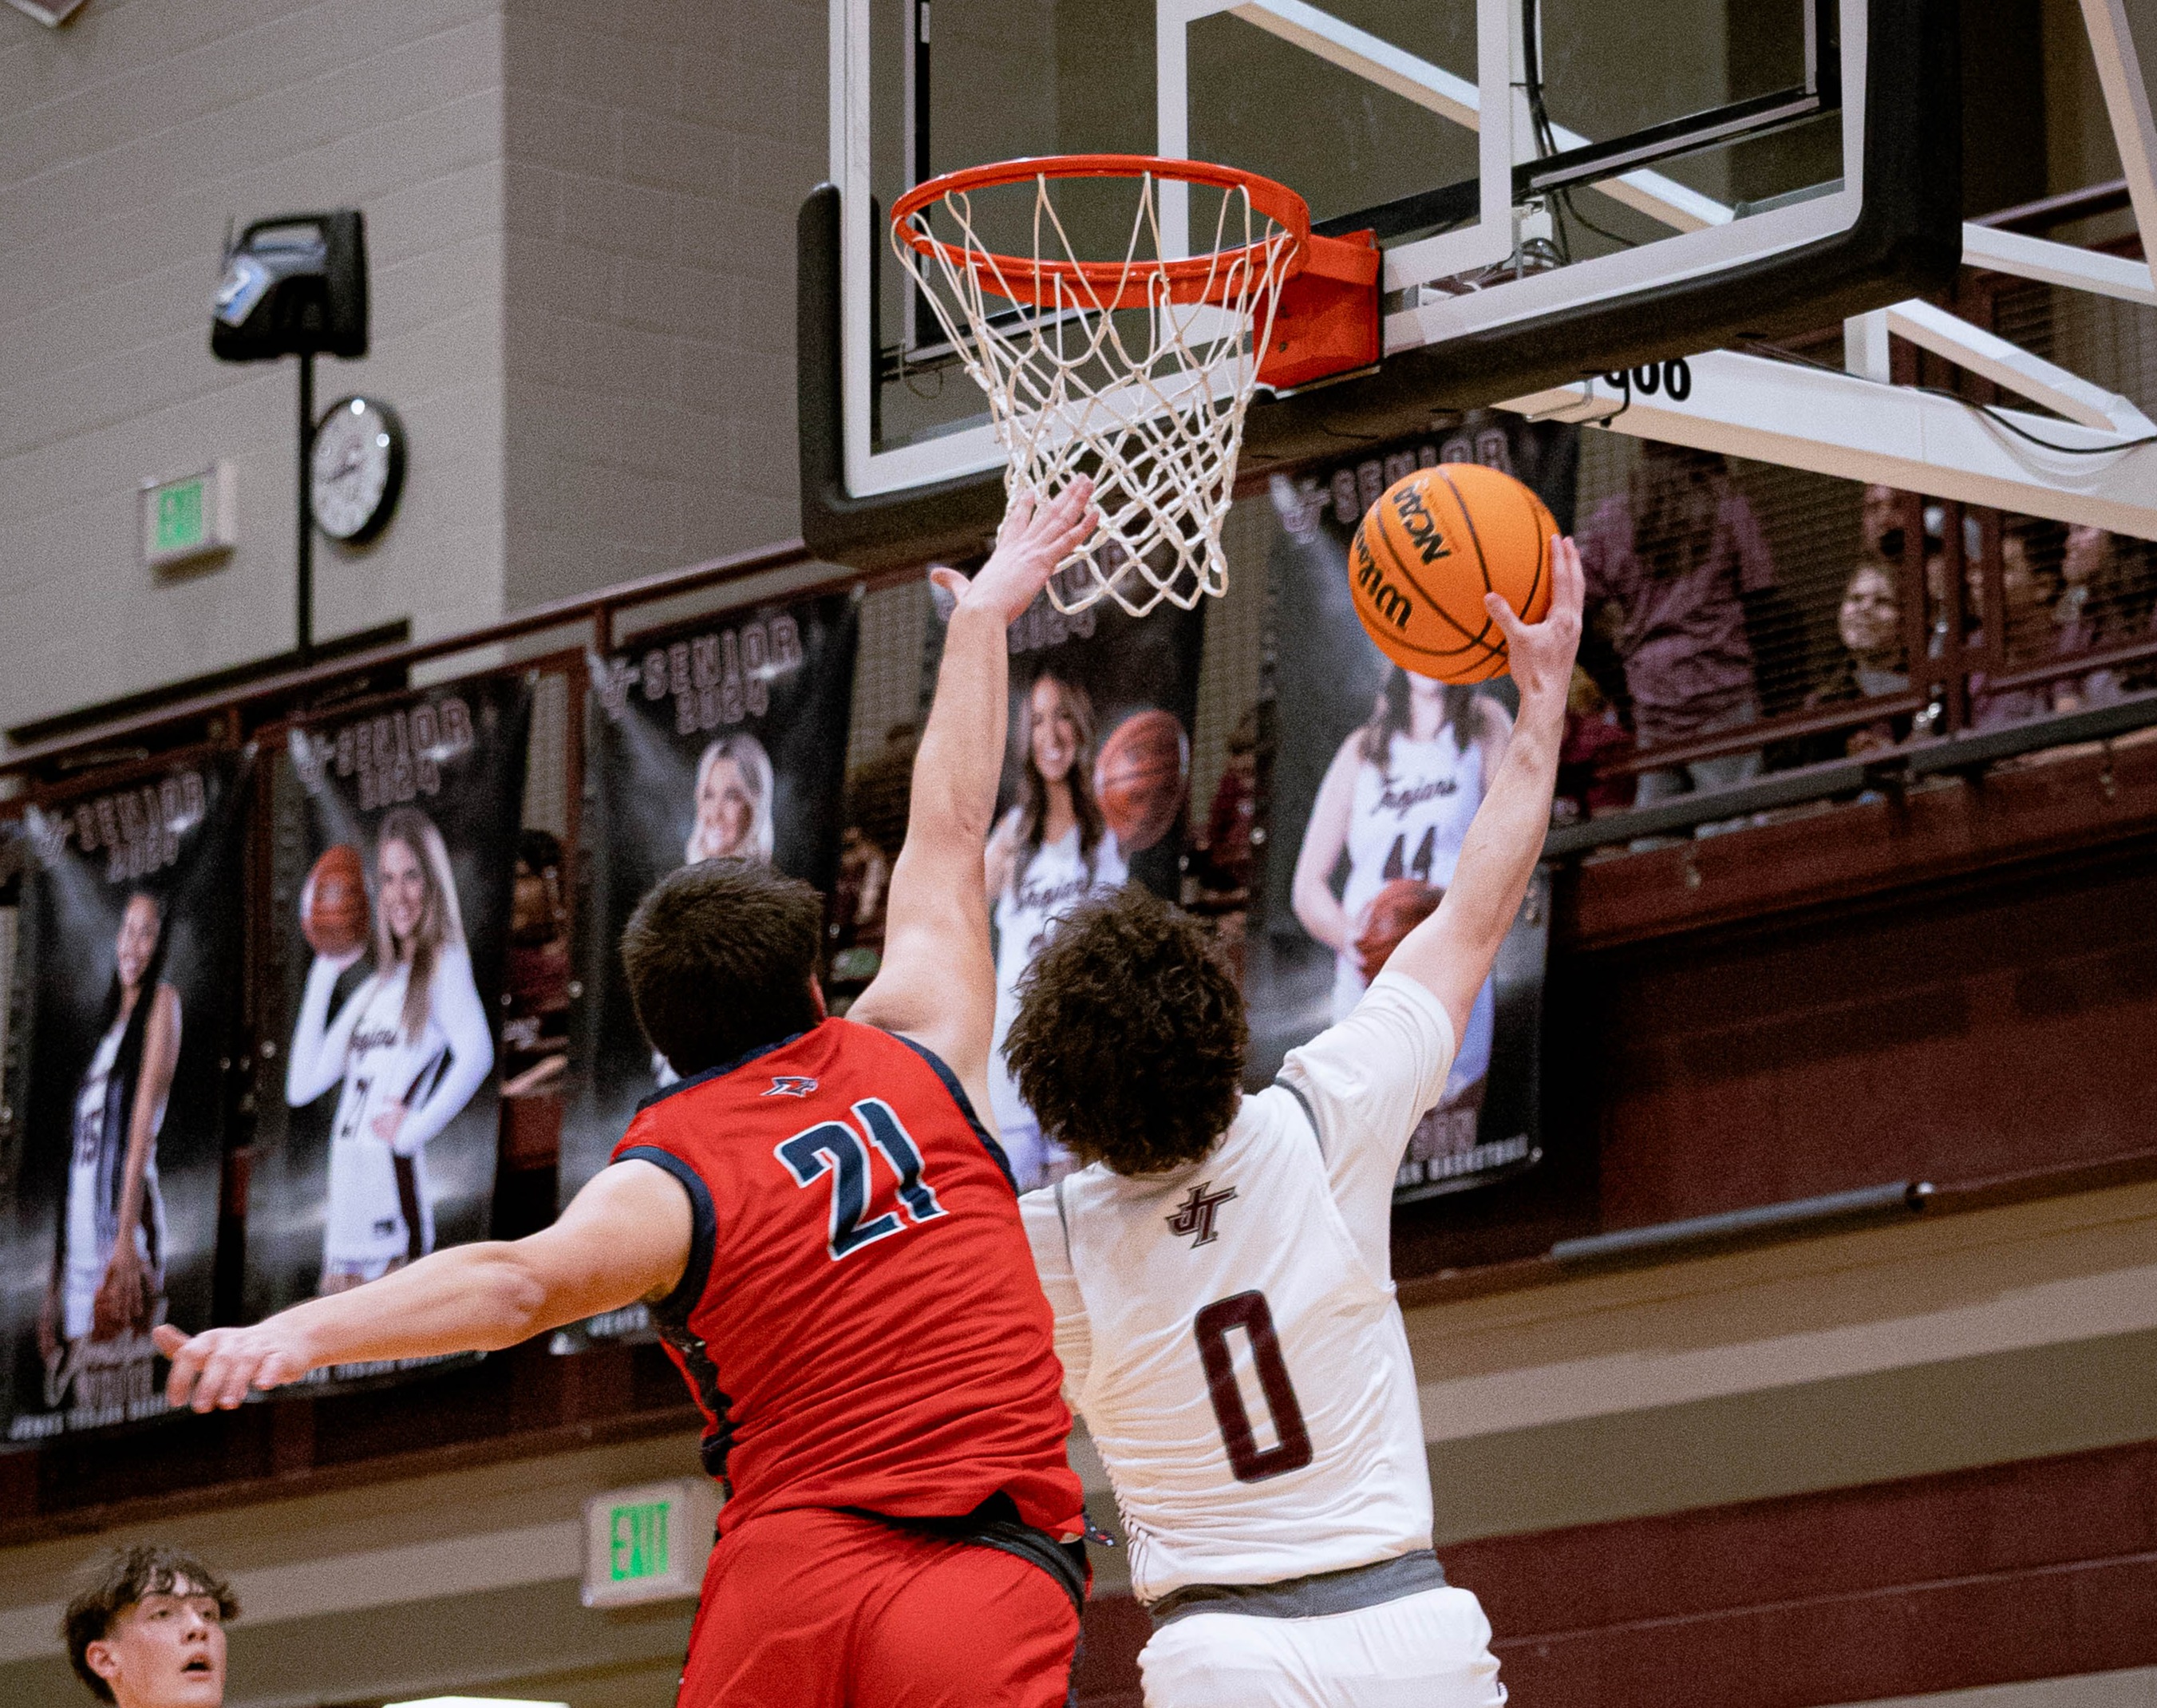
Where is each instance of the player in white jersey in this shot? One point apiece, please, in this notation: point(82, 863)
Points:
point(408, 1050)
point(1397, 802)
point(1220, 1273)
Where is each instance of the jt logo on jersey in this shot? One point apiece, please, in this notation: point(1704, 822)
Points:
point(1196, 1214)
point(788, 1085)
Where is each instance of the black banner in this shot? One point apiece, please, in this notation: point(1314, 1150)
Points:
point(1097, 777)
point(725, 737)
point(129, 954)
point(1376, 775)
point(397, 838)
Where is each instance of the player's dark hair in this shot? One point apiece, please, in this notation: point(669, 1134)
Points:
point(123, 1577)
point(719, 957)
point(1128, 1043)
point(1391, 716)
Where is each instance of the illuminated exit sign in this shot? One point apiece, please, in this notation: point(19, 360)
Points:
point(193, 517)
point(648, 1544)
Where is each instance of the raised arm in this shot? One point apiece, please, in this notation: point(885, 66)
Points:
point(938, 983)
point(624, 1238)
point(1450, 954)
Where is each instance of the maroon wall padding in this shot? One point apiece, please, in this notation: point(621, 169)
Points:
point(1949, 1036)
point(2040, 1569)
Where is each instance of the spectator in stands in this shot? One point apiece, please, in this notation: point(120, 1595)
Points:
point(1594, 738)
point(1869, 624)
point(2105, 600)
point(2027, 548)
point(1218, 887)
point(535, 1032)
point(1671, 563)
point(148, 1631)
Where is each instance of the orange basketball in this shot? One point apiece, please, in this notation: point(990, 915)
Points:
point(1141, 777)
point(1435, 541)
point(1397, 909)
point(333, 912)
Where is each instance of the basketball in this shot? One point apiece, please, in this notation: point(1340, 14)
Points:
point(1427, 552)
point(1397, 909)
point(333, 912)
point(1141, 777)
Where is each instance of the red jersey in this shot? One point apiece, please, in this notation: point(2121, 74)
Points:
point(859, 1319)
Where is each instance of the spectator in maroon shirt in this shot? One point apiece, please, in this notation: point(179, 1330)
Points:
point(1671, 562)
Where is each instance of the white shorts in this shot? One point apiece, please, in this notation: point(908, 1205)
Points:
point(1431, 1649)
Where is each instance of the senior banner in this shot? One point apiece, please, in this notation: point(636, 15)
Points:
point(396, 843)
point(725, 737)
point(1375, 778)
point(1096, 787)
point(128, 958)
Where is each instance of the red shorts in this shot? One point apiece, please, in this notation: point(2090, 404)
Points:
point(813, 1608)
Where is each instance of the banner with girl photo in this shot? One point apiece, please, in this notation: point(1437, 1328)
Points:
point(129, 955)
point(396, 846)
point(723, 738)
point(1376, 775)
point(1097, 775)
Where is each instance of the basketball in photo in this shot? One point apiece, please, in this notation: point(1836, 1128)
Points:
point(1434, 545)
point(333, 912)
point(1141, 777)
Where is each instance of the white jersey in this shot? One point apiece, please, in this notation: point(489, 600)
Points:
point(1053, 882)
point(434, 1076)
point(1411, 823)
point(89, 1171)
point(1228, 1332)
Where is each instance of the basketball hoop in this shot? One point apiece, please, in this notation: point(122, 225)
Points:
point(1137, 372)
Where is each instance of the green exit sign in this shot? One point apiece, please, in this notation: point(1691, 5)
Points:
point(192, 517)
point(648, 1544)
point(636, 1541)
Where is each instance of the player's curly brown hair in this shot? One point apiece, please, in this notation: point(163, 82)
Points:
point(1128, 1043)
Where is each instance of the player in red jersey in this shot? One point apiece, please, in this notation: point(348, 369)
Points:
point(831, 1244)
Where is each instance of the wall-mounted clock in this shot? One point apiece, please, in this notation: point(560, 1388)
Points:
point(356, 469)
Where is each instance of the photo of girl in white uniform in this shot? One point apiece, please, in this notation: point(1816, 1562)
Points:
point(408, 1049)
point(1396, 802)
point(107, 1287)
point(1052, 850)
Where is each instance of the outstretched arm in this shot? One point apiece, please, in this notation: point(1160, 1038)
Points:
point(1450, 953)
point(938, 983)
point(624, 1238)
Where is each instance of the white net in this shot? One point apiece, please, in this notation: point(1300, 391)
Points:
point(1135, 372)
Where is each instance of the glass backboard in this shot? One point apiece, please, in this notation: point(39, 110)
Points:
point(1558, 187)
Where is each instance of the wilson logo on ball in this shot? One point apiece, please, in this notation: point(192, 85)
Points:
point(1422, 529)
point(1437, 542)
point(1387, 602)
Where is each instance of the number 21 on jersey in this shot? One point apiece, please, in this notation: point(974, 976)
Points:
point(837, 1148)
point(1291, 1451)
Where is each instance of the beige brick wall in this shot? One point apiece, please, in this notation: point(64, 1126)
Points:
point(657, 157)
point(126, 139)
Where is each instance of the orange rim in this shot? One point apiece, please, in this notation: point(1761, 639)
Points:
point(1206, 278)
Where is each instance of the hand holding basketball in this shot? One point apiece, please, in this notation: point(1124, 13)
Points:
point(1426, 555)
point(1540, 654)
point(333, 910)
point(1035, 538)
